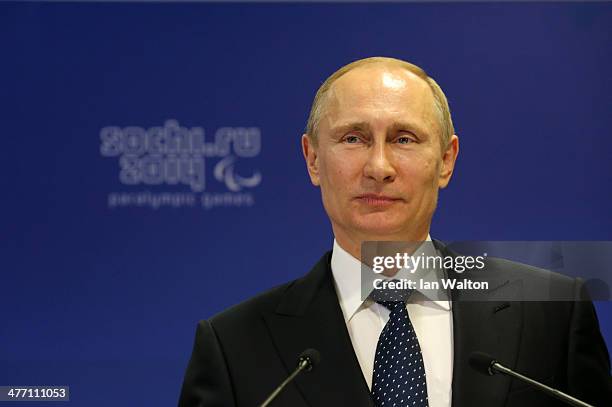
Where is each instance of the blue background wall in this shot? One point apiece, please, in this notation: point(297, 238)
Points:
point(105, 299)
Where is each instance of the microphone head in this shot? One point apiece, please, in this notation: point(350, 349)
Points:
point(482, 363)
point(310, 357)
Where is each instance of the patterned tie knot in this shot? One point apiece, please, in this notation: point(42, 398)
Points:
point(392, 305)
point(391, 295)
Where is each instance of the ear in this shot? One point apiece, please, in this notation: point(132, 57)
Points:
point(449, 157)
point(311, 157)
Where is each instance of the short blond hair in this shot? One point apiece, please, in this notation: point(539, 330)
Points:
point(440, 101)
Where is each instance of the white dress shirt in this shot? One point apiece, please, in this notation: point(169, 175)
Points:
point(365, 320)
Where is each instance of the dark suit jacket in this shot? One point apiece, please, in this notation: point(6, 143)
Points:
point(243, 353)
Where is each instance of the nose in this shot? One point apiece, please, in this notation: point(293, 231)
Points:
point(379, 166)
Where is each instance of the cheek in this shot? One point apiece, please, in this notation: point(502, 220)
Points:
point(338, 168)
point(419, 169)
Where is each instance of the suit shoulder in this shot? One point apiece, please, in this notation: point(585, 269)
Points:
point(278, 299)
point(537, 284)
point(525, 272)
point(264, 302)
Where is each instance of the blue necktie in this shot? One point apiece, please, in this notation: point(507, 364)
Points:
point(399, 372)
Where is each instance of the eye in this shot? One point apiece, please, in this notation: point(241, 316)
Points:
point(352, 139)
point(405, 140)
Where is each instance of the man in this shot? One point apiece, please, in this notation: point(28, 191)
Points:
point(380, 144)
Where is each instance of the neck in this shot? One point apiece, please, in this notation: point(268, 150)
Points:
point(352, 244)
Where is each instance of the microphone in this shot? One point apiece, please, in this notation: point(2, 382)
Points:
point(306, 361)
point(487, 365)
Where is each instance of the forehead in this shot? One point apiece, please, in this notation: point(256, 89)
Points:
point(380, 92)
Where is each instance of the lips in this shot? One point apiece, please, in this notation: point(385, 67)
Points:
point(377, 199)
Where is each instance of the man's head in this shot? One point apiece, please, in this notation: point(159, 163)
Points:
point(440, 101)
point(380, 144)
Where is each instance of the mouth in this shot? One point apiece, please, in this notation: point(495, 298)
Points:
point(377, 200)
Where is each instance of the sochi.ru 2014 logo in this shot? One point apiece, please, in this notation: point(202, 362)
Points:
point(169, 159)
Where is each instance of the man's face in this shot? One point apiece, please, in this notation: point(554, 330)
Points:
point(379, 160)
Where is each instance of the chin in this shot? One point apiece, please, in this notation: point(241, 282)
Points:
point(381, 230)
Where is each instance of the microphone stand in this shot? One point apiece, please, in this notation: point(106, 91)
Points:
point(495, 366)
point(303, 364)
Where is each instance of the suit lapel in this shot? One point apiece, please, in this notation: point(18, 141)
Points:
point(491, 327)
point(309, 316)
point(484, 321)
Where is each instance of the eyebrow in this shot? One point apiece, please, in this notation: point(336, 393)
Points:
point(345, 127)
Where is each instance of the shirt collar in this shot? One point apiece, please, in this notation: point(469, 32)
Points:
point(346, 270)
